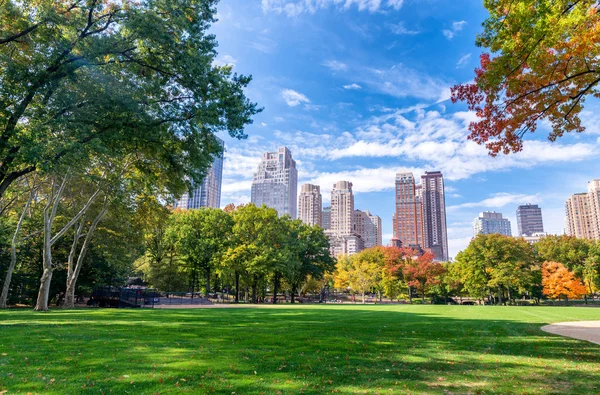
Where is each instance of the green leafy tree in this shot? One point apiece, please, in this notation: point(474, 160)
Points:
point(496, 262)
point(201, 237)
point(309, 255)
point(82, 77)
point(568, 250)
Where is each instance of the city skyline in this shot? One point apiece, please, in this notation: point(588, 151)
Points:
point(365, 98)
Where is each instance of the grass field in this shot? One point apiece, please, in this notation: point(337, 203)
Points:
point(297, 350)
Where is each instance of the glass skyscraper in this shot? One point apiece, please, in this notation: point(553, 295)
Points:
point(208, 193)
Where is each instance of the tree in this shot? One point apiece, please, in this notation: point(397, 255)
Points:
point(559, 282)
point(544, 61)
point(496, 262)
point(53, 200)
point(15, 242)
point(309, 255)
point(79, 78)
point(201, 237)
point(358, 272)
point(254, 247)
point(568, 250)
point(423, 273)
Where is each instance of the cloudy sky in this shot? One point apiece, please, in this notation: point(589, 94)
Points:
point(359, 90)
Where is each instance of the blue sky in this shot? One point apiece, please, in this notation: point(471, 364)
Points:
point(359, 89)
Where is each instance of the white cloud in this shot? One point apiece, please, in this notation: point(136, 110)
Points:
point(293, 98)
point(456, 27)
point(335, 65)
point(363, 180)
point(294, 8)
point(499, 200)
point(353, 87)
point(400, 29)
point(264, 45)
point(401, 81)
point(463, 61)
point(395, 4)
point(226, 60)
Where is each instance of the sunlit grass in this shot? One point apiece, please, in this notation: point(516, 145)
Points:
point(301, 349)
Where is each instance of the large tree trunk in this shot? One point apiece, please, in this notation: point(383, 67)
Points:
point(410, 294)
point(49, 240)
point(237, 287)
point(363, 297)
point(499, 295)
point(423, 296)
point(275, 288)
point(44, 292)
point(293, 296)
point(13, 251)
point(207, 274)
point(254, 291)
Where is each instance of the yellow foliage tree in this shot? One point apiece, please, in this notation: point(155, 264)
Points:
point(559, 282)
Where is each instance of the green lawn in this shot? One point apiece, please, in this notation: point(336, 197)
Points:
point(297, 350)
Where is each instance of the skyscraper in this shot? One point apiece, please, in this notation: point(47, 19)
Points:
point(408, 218)
point(326, 218)
point(343, 238)
point(342, 208)
point(310, 204)
point(491, 222)
point(435, 236)
point(579, 221)
point(368, 227)
point(275, 183)
point(208, 193)
point(529, 220)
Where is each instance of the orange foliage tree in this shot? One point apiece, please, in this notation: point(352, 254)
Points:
point(422, 273)
point(559, 282)
point(544, 61)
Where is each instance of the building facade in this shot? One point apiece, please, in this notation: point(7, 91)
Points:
point(579, 221)
point(368, 227)
point(208, 193)
point(326, 218)
point(342, 208)
point(435, 234)
point(407, 220)
point(491, 222)
point(310, 204)
point(275, 183)
point(529, 220)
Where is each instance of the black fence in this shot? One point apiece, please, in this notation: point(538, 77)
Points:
point(143, 297)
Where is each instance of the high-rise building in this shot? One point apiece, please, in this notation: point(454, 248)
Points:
point(407, 221)
point(342, 208)
point(435, 236)
point(343, 237)
point(310, 204)
point(579, 220)
point(490, 222)
point(368, 227)
point(208, 193)
point(326, 218)
point(376, 220)
point(594, 206)
point(529, 220)
point(275, 183)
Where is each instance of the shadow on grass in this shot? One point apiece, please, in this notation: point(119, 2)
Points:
point(344, 349)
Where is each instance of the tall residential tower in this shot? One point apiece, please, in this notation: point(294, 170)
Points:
point(435, 235)
point(408, 218)
point(529, 220)
point(275, 183)
point(491, 222)
point(310, 204)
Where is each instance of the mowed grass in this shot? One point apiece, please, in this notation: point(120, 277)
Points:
point(297, 350)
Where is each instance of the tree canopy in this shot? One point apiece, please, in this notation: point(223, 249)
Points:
point(83, 77)
point(543, 61)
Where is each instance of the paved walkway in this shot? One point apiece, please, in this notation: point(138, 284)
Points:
point(582, 330)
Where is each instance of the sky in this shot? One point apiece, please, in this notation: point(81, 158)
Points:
point(359, 90)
